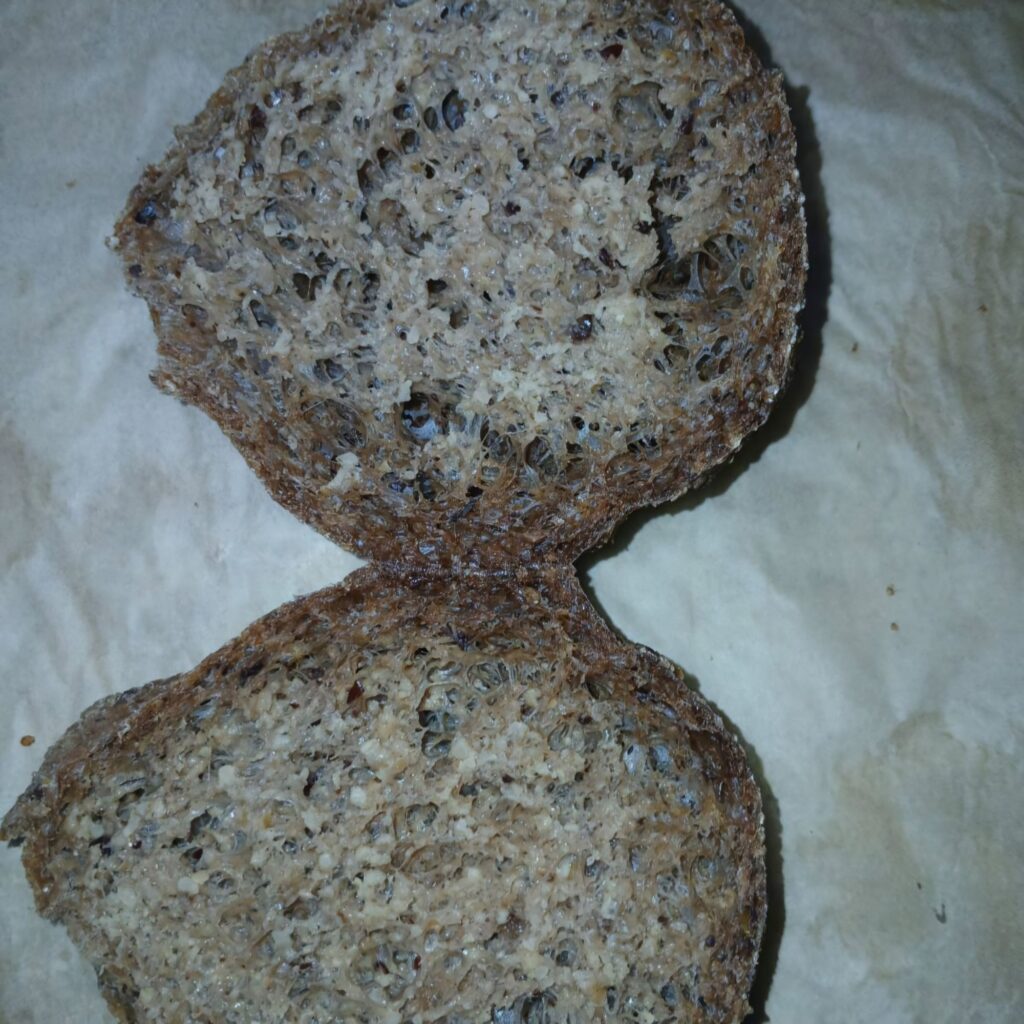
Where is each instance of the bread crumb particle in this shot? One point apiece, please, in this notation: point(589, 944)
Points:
point(894, 626)
point(890, 590)
point(27, 741)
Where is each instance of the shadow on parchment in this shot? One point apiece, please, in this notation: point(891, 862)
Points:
point(807, 357)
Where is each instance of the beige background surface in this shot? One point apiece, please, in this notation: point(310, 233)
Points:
point(848, 593)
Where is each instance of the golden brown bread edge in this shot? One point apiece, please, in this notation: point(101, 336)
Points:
point(370, 601)
point(543, 536)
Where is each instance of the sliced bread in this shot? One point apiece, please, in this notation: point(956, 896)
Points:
point(407, 800)
point(466, 283)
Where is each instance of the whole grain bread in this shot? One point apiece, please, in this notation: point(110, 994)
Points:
point(467, 283)
point(407, 799)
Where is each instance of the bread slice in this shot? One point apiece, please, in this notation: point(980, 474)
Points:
point(466, 283)
point(407, 800)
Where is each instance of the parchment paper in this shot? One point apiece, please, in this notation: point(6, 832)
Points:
point(848, 593)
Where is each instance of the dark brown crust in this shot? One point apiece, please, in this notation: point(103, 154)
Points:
point(559, 528)
point(353, 612)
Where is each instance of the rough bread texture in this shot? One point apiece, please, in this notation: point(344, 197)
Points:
point(466, 283)
point(407, 800)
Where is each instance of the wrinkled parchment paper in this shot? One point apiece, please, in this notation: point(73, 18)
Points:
point(849, 593)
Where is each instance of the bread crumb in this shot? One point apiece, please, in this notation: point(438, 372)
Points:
point(890, 590)
point(27, 741)
point(894, 626)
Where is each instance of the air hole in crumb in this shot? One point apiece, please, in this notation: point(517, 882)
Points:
point(583, 328)
point(368, 177)
point(147, 213)
point(336, 421)
point(426, 486)
point(638, 109)
point(498, 447)
point(453, 110)
point(262, 315)
point(705, 367)
point(324, 262)
point(540, 458)
point(421, 418)
point(327, 370)
point(581, 166)
point(388, 161)
point(306, 286)
point(645, 446)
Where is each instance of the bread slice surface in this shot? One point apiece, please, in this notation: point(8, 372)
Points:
point(402, 800)
point(467, 283)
